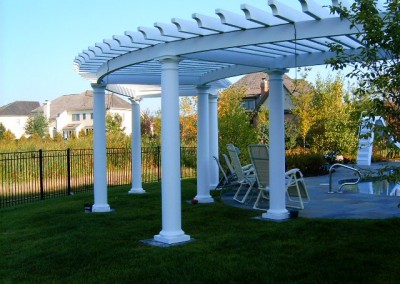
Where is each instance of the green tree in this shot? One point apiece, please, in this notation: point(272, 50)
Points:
point(37, 124)
point(188, 120)
point(7, 136)
point(2, 129)
point(333, 129)
point(376, 66)
point(234, 122)
point(305, 113)
point(114, 123)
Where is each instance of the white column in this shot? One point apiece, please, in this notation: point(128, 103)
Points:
point(277, 210)
point(136, 149)
point(99, 149)
point(203, 153)
point(170, 154)
point(213, 127)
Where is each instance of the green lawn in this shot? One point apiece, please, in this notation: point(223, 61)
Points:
point(54, 241)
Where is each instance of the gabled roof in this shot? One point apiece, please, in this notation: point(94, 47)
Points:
point(251, 83)
point(19, 108)
point(82, 102)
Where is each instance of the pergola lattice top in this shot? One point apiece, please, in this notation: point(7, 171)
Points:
point(214, 48)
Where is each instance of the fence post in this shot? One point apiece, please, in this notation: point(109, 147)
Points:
point(68, 171)
point(41, 174)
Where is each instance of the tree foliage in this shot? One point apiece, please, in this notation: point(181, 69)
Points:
point(234, 122)
point(114, 123)
point(37, 124)
point(2, 129)
point(325, 117)
point(188, 120)
point(376, 66)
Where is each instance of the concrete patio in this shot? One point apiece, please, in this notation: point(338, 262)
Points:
point(346, 205)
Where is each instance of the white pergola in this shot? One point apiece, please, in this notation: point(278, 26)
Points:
point(193, 57)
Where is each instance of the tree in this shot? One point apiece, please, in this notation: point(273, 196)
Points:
point(332, 130)
point(7, 136)
point(376, 66)
point(2, 130)
point(37, 124)
point(305, 113)
point(114, 123)
point(234, 122)
point(188, 120)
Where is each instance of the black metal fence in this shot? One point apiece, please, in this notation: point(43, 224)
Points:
point(37, 175)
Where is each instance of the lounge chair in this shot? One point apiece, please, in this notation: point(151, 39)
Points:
point(229, 165)
point(296, 189)
point(245, 177)
point(260, 160)
point(225, 181)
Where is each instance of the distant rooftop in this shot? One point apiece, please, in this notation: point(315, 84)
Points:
point(19, 108)
point(81, 102)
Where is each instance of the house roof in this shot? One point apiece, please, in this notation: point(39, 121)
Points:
point(19, 108)
point(81, 102)
point(251, 83)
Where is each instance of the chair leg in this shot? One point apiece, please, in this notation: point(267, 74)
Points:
point(235, 197)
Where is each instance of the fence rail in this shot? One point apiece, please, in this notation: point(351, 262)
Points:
point(38, 175)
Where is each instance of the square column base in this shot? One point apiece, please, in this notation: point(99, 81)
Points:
point(101, 208)
point(136, 191)
point(276, 215)
point(172, 239)
point(213, 186)
point(204, 198)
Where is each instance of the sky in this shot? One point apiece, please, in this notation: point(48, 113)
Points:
point(39, 39)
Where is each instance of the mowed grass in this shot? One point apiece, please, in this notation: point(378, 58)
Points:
point(54, 241)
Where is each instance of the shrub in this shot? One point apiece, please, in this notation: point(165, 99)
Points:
point(310, 164)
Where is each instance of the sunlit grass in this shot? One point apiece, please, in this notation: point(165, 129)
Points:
point(54, 241)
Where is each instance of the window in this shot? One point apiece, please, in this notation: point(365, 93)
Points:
point(91, 116)
point(84, 116)
point(76, 117)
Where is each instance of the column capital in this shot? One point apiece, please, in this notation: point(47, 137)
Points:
point(213, 96)
point(277, 71)
point(98, 86)
point(134, 100)
point(203, 89)
point(168, 58)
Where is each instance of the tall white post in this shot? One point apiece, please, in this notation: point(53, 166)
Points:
point(203, 153)
point(136, 149)
point(213, 127)
point(170, 154)
point(277, 210)
point(99, 149)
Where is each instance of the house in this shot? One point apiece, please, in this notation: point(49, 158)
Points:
point(15, 115)
point(70, 114)
point(257, 93)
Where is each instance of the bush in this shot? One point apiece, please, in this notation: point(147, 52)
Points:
point(310, 164)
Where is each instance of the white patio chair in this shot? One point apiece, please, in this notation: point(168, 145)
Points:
point(225, 180)
point(260, 160)
point(295, 186)
point(245, 178)
point(296, 189)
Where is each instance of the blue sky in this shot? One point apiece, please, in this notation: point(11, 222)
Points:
point(39, 39)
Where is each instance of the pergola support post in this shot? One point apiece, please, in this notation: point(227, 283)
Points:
point(99, 149)
point(203, 153)
point(277, 209)
point(214, 150)
point(171, 232)
point(136, 150)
